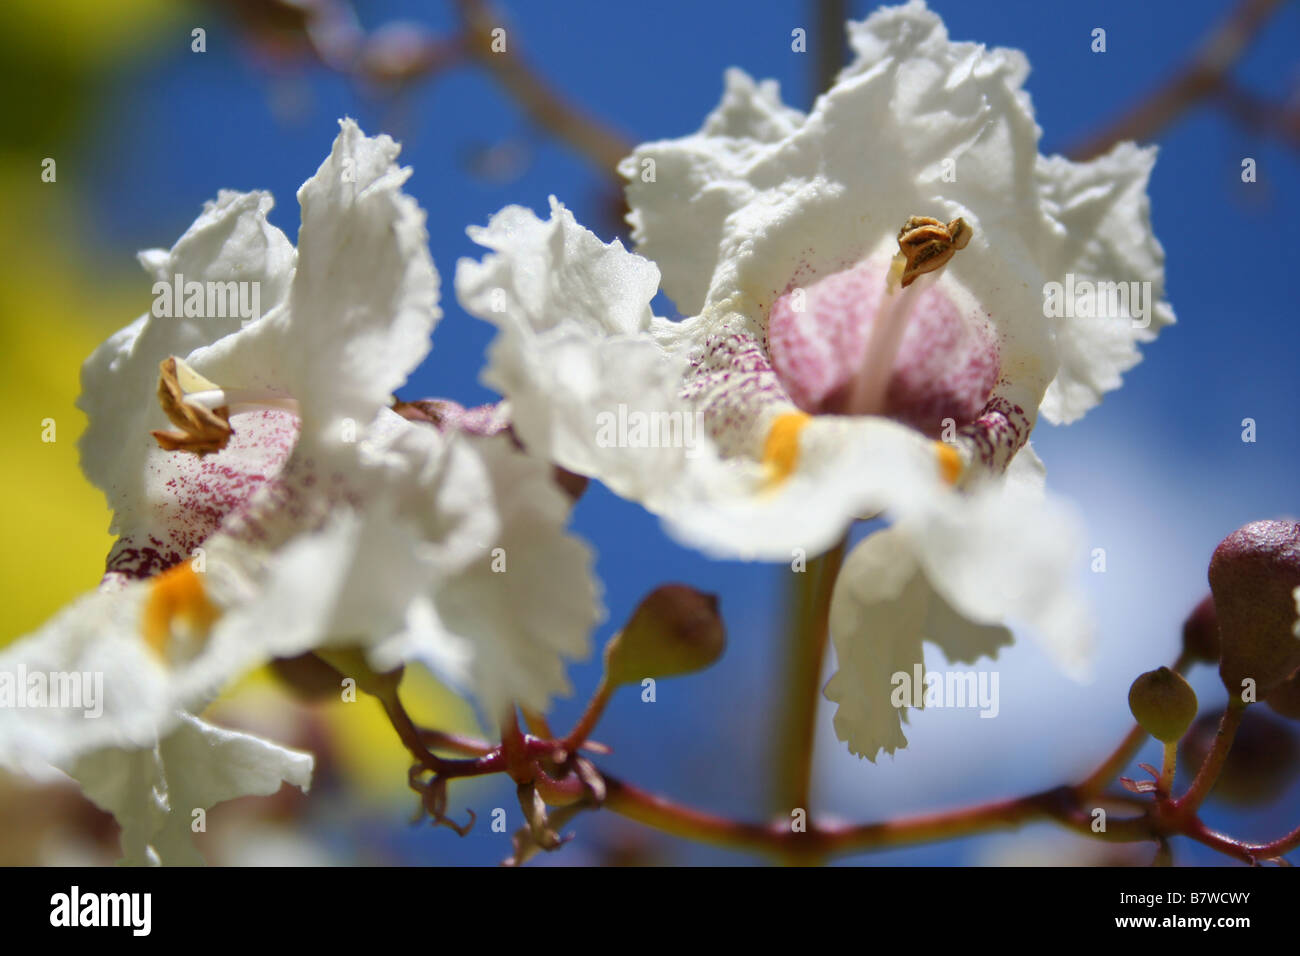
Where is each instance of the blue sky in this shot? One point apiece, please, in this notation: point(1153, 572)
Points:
point(1159, 470)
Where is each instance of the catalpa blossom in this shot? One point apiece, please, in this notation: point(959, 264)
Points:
point(868, 334)
point(289, 509)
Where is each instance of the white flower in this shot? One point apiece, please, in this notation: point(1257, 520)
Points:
point(826, 387)
point(313, 517)
point(153, 792)
point(953, 571)
point(347, 316)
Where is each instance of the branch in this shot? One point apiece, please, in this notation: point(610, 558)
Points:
point(1261, 115)
point(825, 839)
point(1196, 81)
point(602, 146)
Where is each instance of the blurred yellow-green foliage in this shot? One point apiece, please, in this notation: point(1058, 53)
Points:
point(54, 307)
point(57, 305)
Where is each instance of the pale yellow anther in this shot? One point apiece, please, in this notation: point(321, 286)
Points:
point(781, 447)
point(200, 430)
point(190, 380)
point(178, 607)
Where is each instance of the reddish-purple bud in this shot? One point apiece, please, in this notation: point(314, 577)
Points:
point(1261, 764)
point(1285, 697)
point(1253, 575)
point(1201, 632)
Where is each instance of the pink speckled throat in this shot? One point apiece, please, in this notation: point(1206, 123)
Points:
point(847, 344)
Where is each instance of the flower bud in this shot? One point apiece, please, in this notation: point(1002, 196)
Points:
point(1253, 575)
point(1261, 764)
point(1163, 703)
point(674, 630)
point(309, 677)
point(351, 662)
point(1201, 632)
point(1285, 697)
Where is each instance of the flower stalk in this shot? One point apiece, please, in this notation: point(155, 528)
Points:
point(809, 632)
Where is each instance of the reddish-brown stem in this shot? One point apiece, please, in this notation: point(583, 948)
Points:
point(536, 723)
point(1276, 848)
point(415, 740)
point(1068, 806)
point(409, 734)
point(1260, 114)
point(1246, 852)
point(534, 95)
point(822, 839)
point(440, 740)
point(1122, 756)
point(1200, 78)
point(590, 717)
point(1190, 802)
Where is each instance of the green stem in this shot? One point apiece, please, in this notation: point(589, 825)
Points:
point(797, 716)
point(1168, 768)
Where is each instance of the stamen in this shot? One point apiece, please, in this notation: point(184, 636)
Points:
point(925, 246)
point(201, 409)
point(867, 396)
point(243, 400)
point(200, 430)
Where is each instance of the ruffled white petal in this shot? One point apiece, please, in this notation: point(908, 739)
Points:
point(503, 626)
point(94, 649)
point(363, 301)
point(1003, 551)
point(681, 197)
point(154, 791)
point(882, 609)
point(567, 356)
point(955, 568)
point(547, 273)
point(230, 241)
point(761, 200)
point(1104, 235)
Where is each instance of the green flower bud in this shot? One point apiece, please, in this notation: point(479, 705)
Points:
point(674, 630)
point(1163, 703)
point(1253, 575)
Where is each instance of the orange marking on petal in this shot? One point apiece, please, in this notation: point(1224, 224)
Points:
point(781, 447)
point(950, 462)
point(176, 598)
